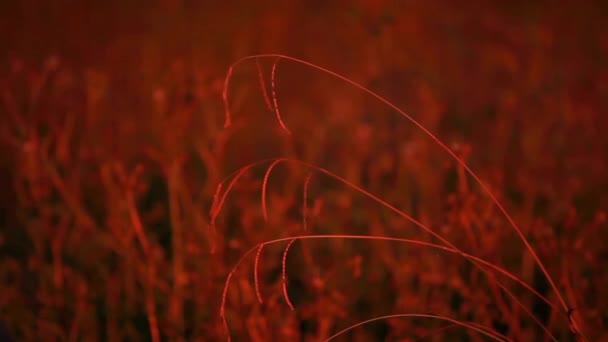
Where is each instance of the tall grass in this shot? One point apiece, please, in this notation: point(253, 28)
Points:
point(489, 269)
point(341, 218)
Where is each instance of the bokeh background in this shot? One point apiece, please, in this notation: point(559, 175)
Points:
point(113, 142)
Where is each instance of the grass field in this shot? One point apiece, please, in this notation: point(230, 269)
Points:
point(373, 171)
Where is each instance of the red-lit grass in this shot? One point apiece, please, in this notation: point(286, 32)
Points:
point(469, 325)
point(305, 202)
point(274, 96)
point(479, 262)
point(373, 238)
point(284, 274)
point(265, 187)
point(263, 85)
point(447, 245)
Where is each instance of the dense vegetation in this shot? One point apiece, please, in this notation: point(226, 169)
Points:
point(113, 143)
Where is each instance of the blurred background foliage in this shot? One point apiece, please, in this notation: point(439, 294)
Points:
point(112, 144)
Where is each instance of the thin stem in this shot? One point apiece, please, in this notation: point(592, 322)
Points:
point(470, 325)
